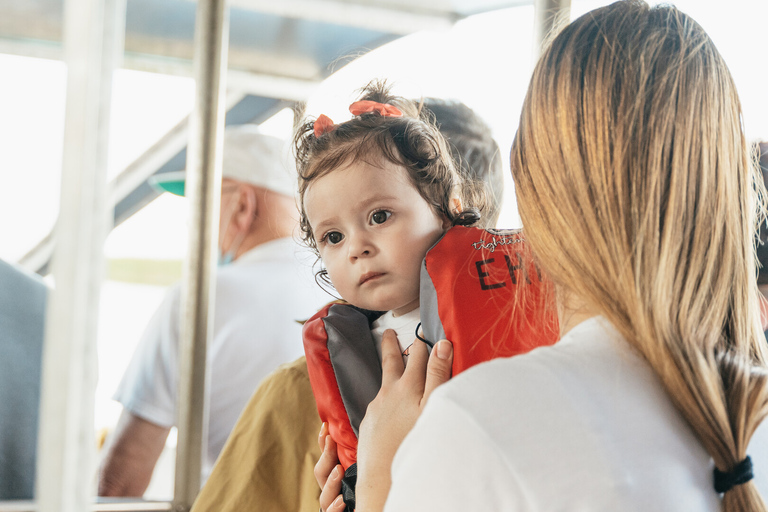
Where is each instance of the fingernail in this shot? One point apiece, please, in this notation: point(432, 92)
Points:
point(336, 473)
point(337, 501)
point(444, 349)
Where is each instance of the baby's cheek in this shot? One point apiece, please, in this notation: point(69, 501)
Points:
point(414, 280)
point(340, 282)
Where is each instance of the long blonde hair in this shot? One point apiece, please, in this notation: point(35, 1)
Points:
point(638, 196)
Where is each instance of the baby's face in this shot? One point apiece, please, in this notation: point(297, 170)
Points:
point(372, 228)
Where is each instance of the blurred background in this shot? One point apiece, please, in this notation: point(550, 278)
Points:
point(483, 60)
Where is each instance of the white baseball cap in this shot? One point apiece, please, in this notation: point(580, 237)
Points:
point(250, 157)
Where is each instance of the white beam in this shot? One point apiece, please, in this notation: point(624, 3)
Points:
point(270, 86)
point(203, 189)
point(66, 456)
point(122, 505)
point(392, 20)
point(291, 86)
point(34, 49)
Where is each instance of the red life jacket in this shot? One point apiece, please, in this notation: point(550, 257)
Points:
point(479, 289)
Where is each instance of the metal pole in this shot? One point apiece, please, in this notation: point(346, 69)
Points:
point(203, 189)
point(66, 458)
point(548, 16)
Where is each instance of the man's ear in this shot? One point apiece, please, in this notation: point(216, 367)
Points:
point(247, 208)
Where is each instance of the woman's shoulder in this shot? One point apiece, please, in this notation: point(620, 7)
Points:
point(591, 351)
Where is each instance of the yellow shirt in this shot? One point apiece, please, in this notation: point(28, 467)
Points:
point(268, 461)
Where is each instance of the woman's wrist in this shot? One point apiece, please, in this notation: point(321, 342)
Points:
point(371, 493)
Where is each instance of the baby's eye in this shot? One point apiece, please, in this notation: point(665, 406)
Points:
point(380, 217)
point(333, 238)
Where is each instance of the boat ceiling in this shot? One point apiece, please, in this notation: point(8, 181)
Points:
point(279, 52)
point(291, 43)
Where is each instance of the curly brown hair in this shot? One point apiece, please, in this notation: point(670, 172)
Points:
point(411, 141)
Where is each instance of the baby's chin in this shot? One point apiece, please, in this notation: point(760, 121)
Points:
point(368, 305)
point(401, 307)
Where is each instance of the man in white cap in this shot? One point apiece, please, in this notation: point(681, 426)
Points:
point(263, 287)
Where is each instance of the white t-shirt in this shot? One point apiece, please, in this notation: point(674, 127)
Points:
point(404, 325)
point(583, 425)
point(259, 299)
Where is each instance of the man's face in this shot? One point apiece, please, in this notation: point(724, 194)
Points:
point(372, 229)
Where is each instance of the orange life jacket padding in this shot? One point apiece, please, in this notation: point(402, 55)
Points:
point(480, 289)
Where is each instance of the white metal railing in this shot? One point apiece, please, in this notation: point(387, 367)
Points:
point(123, 505)
point(203, 188)
point(93, 35)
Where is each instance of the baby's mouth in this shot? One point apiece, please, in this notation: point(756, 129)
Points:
point(368, 276)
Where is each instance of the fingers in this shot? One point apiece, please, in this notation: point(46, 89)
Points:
point(416, 370)
point(328, 460)
point(438, 367)
point(321, 436)
point(330, 497)
point(391, 358)
point(338, 505)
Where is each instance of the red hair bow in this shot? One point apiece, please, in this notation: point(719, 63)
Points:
point(359, 108)
point(323, 124)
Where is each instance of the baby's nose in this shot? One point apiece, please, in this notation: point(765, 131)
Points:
point(359, 247)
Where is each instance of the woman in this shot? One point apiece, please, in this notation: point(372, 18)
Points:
point(639, 199)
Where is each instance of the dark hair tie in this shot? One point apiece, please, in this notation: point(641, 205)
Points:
point(739, 474)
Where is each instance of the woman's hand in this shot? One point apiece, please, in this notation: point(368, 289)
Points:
point(392, 414)
point(328, 473)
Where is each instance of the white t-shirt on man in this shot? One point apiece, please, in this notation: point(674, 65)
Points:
point(260, 299)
